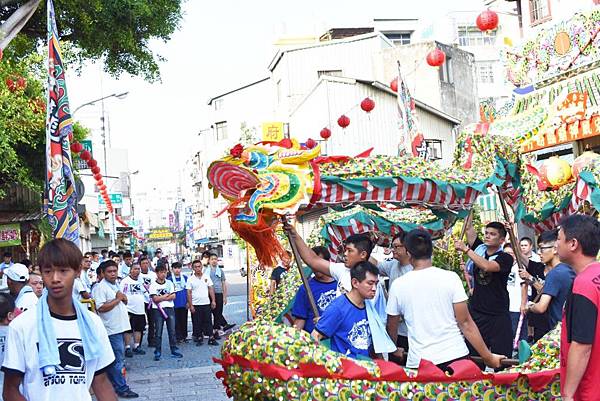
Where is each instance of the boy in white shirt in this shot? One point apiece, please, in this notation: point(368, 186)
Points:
point(201, 299)
point(133, 288)
point(148, 276)
point(162, 294)
point(433, 304)
point(83, 357)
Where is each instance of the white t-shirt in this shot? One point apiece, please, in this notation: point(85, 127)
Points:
point(115, 320)
point(86, 279)
point(73, 376)
point(78, 288)
point(147, 279)
point(26, 298)
point(199, 287)
point(341, 273)
point(3, 335)
point(123, 270)
point(135, 292)
point(513, 286)
point(162, 289)
point(425, 299)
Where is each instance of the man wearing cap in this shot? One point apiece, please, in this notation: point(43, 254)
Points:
point(17, 279)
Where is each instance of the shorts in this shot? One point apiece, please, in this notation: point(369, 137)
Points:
point(137, 322)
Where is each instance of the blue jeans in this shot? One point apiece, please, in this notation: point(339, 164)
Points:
point(158, 325)
point(514, 318)
point(115, 369)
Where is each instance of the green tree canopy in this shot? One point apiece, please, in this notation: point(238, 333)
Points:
point(118, 32)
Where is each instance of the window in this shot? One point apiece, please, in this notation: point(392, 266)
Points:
point(485, 72)
point(218, 104)
point(539, 11)
point(331, 73)
point(470, 35)
point(221, 129)
point(434, 149)
point(399, 38)
point(445, 71)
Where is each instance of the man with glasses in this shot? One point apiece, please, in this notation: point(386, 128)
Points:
point(559, 278)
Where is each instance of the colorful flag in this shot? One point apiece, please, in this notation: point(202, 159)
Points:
point(412, 139)
point(61, 197)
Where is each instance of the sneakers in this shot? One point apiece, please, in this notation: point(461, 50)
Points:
point(128, 394)
point(176, 354)
point(139, 351)
point(216, 335)
point(212, 341)
point(157, 356)
point(199, 342)
point(128, 353)
point(229, 326)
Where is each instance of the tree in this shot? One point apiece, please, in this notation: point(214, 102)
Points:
point(117, 32)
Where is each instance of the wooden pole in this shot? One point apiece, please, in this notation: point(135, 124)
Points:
point(248, 284)
point(309, 294)
point(511, 233)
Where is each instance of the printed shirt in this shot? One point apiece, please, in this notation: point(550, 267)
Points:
point(324, 294)
point(135, 292)
point(147, 279)
point(160, 290)
point(347, 326)
point(73, 376)
point(580, 323)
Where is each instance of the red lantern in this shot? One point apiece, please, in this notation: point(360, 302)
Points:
point(367, 104)
point(325, 133)
point(343, 121)
point(436, 57)
point(76, 147)
point(95, 169)
point(85, 155)
point(102, 187)
point(311, 143)
point(487, 21)
point(394, 84)
point(92, 163)
point(99, 182)
point(97, 176)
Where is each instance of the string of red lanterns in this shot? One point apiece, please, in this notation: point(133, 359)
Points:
point(367, 105)
point(85, 155)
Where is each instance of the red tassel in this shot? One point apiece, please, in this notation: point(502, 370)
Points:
point(262, 237)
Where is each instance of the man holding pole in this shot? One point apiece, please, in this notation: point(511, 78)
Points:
point(490, 302)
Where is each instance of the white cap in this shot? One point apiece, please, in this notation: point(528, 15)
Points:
point(17, 272)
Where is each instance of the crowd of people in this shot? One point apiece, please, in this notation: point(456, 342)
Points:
point(51, 346)
point(430, 315)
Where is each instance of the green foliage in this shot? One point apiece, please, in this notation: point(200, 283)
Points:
point(117, 32)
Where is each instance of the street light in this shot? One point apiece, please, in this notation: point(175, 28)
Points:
point(118, 96)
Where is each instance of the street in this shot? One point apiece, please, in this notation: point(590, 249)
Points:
point(193, 376)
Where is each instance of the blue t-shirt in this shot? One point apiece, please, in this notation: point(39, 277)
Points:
point(347, 326)
point(180, 300)
point(557, 285)
point(323, 293)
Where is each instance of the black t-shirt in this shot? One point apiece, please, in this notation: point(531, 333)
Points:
point(538, 320)
point(489, 292)
point(277, 273)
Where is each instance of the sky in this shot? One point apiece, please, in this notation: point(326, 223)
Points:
point(220, 45)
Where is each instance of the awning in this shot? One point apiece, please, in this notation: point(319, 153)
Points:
point(17, 217)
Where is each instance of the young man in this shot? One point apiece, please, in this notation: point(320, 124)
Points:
point(279, 272)
point(35, 282)
point(578, 244)
point(17, 279)
point(112, 309)
point(357, 249)
point(217, 276)
point(6, 261)
point(133, 288)
point(526, 245)
point(81, 290)
point(103, 255)
point(157, 257)
point(345, 319)
point(517, 294)
point(558, 280)
point(77, 367)
point(394, 269)
point(162, 294)
point(201, 299)
point(125, 265)
point(148, 276)
point(180, 303)
point(433, 303)
point(86, 276)
point(489, 304)
point(323, 288)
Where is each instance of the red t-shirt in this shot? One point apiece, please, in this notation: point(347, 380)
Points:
point(580, 323)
